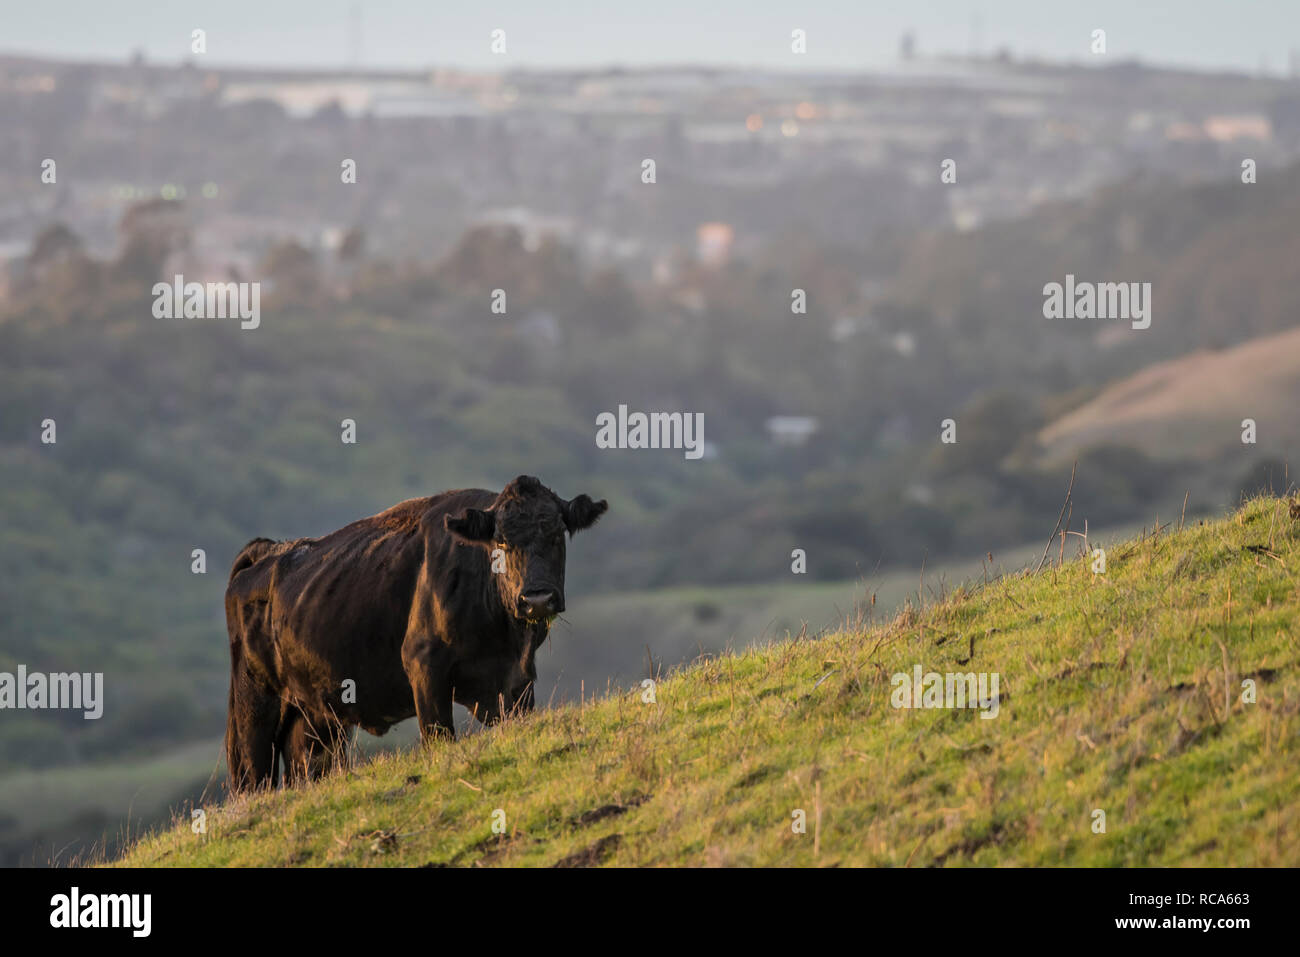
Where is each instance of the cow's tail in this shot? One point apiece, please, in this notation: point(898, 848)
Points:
point(251, 553)
point(236, 768)
point(243, 706)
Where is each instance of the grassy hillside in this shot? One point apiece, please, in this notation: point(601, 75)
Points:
point(1119, 691)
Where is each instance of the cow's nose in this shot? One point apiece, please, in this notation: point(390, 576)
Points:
point(539, 604)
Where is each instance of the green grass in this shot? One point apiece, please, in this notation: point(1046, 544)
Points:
point(1121, 692)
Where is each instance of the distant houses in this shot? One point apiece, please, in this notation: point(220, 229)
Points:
point(792, 430)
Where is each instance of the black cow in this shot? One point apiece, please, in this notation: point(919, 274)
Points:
point(435, 600)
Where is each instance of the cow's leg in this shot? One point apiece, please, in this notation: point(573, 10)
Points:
point(293, 747)
point(311, 747)
point(426, 668)
point(251, 725)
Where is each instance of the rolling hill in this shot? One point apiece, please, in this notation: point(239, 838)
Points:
point(1163, 693)
point(1192, 407)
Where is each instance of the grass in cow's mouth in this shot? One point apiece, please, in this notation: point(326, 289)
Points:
point(1120, 692)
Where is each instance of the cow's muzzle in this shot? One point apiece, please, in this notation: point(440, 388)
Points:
point(536, 605)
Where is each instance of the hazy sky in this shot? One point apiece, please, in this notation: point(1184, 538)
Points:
point(1211, 34)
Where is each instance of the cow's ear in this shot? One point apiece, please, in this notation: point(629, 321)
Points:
point(472, 525)
point(582, 513)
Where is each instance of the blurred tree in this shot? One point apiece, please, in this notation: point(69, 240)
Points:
point(150, 233)
point(353, 246)
point(988, 429)
point(293, 270)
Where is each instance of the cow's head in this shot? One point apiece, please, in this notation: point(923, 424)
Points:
point(523, 532)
